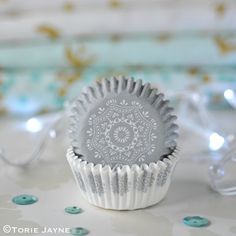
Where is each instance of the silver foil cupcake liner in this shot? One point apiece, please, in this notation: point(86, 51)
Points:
point(123, 188)
point(122, 122)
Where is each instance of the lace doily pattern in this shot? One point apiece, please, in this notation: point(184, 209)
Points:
point(122, 122)
point(121, 132)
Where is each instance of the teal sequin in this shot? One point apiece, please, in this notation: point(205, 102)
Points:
point(73, 210)
point(79, 231)
point(24, 199)
point(196, 221)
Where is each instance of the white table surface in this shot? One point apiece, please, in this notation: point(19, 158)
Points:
point(52, 182)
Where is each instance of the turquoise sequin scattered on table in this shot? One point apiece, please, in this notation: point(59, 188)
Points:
point(196, 221)
point(24, 199)
point(73, 210)
point(79, 231)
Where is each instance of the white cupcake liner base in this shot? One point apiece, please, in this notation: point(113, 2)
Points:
point(125, 188)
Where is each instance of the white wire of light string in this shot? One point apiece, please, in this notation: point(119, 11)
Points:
point(217, 173)
point(49, 132)
point(217, 142)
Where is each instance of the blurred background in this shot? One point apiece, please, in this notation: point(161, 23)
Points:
point(50, 49)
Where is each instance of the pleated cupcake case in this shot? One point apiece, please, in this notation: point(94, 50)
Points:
point(122, 122)
point(123, 188)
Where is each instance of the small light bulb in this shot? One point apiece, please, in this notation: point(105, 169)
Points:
point(52, 133)
point(229, 94)
point(33, 125)
point(216, 142)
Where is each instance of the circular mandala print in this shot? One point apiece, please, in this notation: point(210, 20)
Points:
point(121, 133)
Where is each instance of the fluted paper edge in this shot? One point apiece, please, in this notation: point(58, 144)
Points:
point(124, 188)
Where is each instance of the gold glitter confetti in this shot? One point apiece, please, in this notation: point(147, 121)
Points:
point(163, 37)
point(62, 91)
point(68, 7)
point(79, 62)
point(50, 31)
point(73, 77)
point(115, 38)
point(206, 78)
point(193, 71)
point(76, 60)
point(224, 46)
point(220, 9)
point(115, 4)
point(43, 111)
point(70, 78)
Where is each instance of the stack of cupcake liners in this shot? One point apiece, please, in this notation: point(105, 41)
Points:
point(123, 188)
point(123, 144)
